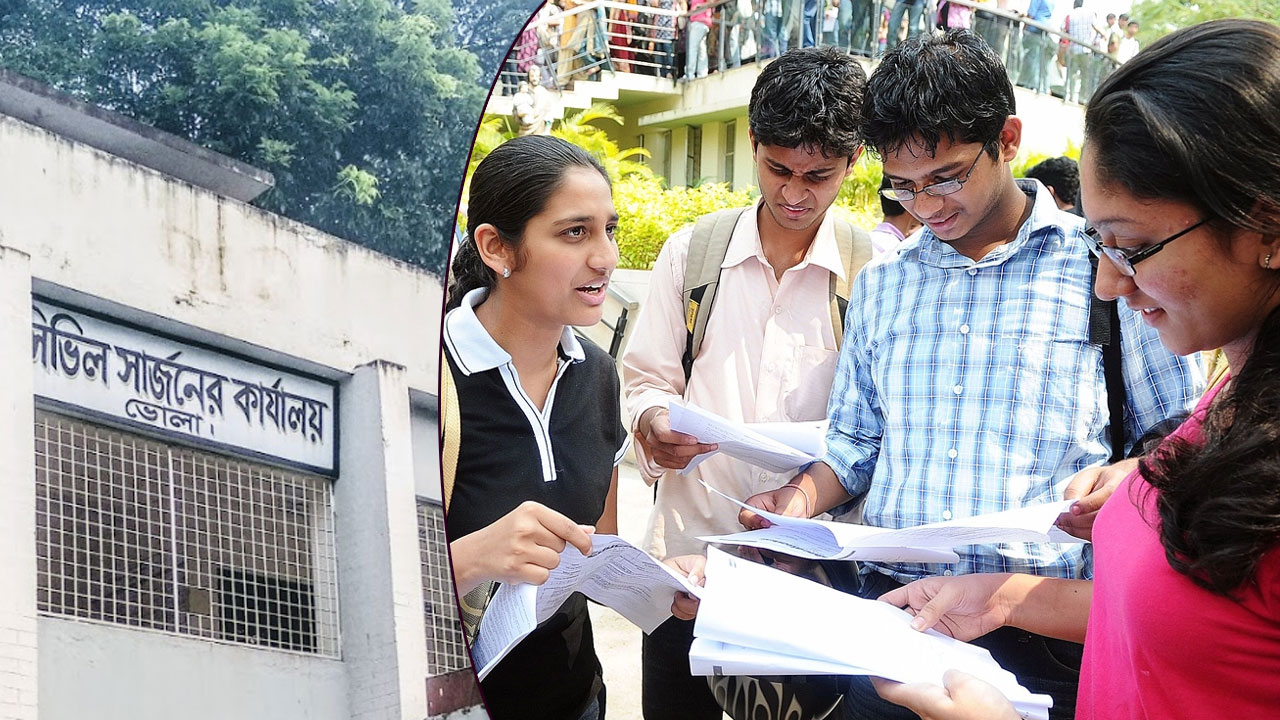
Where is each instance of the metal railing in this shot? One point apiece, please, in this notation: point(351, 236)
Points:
point(646, 38)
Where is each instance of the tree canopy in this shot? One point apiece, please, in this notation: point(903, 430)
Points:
point(364, 110)
point(1161, 17)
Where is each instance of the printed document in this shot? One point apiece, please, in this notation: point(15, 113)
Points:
point(826, 540)
point(616, 574)
point(779, 447)
point(759, 620)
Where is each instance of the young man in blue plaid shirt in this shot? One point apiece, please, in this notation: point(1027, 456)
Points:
point(966, 383)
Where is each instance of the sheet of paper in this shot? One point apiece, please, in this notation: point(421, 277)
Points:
point(736, 440)
point(753, 606)
point(827, 540)
point(711, 657)
point(616, 574)
point(508, 619)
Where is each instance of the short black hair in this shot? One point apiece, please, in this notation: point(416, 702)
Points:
point(949, 85)
point(890, 208)
point(1060, 173)
point(810, 97)
point(1111, 16)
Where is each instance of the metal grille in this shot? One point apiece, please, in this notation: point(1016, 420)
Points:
point(446, 650)
point(137, 532)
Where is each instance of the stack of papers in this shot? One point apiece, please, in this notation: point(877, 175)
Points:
point(616, 574)
point(755, 620)
point(779, 447)
point(825, 540)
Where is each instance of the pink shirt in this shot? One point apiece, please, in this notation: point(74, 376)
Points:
point(768, 355)
point(1159, 646)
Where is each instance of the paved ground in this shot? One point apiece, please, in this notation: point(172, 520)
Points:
point(617, 640)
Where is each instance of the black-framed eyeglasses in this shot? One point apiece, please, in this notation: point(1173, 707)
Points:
point(938, 189)
point(1125, 258)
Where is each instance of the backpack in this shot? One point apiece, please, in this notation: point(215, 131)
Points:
point(472, 605)
point(707, 248)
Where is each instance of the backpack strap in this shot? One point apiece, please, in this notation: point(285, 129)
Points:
point(471, 605)
point(707, 248)
point(451, 422)
point(854, 245)
point(1104, 330)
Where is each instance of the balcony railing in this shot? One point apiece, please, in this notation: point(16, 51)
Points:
point(650, 38)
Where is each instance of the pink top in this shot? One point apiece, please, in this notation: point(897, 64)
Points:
point(703, 16)
point(1160, 646)
point(768, 355)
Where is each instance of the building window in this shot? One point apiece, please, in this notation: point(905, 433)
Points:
point(693, 158)
point(142, 533)
point(730, 131)
point(446, 649)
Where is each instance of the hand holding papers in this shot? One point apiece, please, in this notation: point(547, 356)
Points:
point(778, 447)
point(874, 638)
point(616, 574)
point(823, 540)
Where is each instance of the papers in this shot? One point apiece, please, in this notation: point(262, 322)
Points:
point(757, 620)
point(825, 540)
point(778, 447)
point(617, 574)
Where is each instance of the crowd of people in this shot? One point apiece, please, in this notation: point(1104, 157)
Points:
point(1006, 353)
point(688, 39)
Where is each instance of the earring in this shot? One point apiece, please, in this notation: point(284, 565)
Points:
point(1267, 262)
point(506, 272)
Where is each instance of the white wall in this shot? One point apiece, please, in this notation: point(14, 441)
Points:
point(116, 231)
point(110, 672)
point(18, 635)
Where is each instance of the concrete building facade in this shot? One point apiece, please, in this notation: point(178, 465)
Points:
point(219, 458)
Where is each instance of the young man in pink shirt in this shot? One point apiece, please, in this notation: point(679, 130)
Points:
point(770, 348)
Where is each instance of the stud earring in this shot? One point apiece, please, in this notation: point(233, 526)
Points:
point(506, 272)
point(1267, 263)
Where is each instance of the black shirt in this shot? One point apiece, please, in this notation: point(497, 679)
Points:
point(562, 457)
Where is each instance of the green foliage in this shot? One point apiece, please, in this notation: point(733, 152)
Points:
point(361, 109)
point(1027, 160)
point(1158, 18)
point(648, 213)
point(577, 128)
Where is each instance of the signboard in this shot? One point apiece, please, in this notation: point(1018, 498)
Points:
point(181, 389)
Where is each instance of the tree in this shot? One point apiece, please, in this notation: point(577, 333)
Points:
point(488, 28)
point(1158, 18)
point(362, 109)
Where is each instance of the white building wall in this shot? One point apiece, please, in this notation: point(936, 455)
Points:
point(144, 248)
point(113, 230)
point(383, 629)
point(111, 672)
point(18, 631)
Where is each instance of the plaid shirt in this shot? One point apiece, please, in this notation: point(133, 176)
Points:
point(969, 387)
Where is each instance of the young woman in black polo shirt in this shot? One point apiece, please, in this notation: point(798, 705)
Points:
point(541, 430)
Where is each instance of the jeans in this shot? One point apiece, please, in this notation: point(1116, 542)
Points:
point(668, 691)
point(811, 19)
point(775, 35)
point(594, 711)
point(1039, 49)
point(695, 60)
point(913, 8)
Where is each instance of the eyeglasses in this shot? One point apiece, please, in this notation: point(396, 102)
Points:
point(1125, 258)
point(938, 189)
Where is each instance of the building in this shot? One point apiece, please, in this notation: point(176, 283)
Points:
point(219, 471)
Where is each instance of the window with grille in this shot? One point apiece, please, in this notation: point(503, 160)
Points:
point(730, 141)
point(446, 649)
point(134, 531)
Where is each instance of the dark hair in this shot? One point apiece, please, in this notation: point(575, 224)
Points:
point(1192, 119)
point(938, 85)
point(1060, 173)
point(890, 208)
point(810, 97)
point(1111, 16)
point(511, 185)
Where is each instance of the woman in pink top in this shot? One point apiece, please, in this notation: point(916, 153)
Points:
point(1181, 182)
